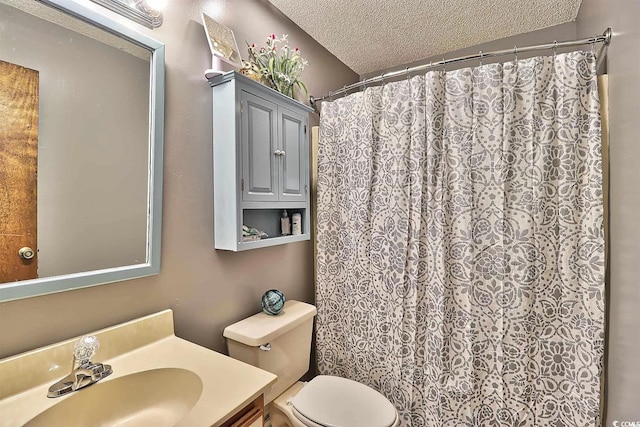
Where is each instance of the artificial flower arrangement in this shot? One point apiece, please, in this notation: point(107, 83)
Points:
point(277, 65)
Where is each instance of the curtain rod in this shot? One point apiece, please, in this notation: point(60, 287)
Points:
point(604, 38)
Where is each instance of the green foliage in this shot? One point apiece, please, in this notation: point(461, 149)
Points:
point(278, 65)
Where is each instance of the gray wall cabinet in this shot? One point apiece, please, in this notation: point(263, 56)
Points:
point(260, 162)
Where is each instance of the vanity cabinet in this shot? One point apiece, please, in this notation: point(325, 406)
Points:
point(251, 415)
point(260, 162)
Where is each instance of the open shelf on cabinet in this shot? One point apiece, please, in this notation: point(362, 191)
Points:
point(268, 220)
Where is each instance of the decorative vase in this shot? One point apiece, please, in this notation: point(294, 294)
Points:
point(273, 302)
point(249, 69)
point(283, 88)
point(288, 91)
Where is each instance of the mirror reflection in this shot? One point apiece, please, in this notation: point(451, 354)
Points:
point(75, 151)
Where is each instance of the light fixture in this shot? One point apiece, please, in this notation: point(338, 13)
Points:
point(155, 4)
point(144, 12)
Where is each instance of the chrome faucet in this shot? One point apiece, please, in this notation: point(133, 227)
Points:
point(84, 372)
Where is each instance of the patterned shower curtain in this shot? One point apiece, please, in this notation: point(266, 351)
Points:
point(461, 246)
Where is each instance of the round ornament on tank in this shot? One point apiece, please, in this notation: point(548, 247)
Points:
point(273, 302)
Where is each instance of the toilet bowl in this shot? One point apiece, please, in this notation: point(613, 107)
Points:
point(328, 401)
point(281, 344)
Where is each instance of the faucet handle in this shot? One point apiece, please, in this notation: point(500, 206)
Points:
point(85, 348)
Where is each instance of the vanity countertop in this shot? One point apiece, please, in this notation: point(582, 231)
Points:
point(139, 345)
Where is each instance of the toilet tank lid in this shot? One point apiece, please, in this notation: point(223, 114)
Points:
point(263, 328)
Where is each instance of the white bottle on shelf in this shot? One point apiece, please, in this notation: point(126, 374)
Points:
point(285, 223)
point(296, 223)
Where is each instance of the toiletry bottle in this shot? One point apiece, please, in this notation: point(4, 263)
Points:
point(296, 223)
point(285, 223)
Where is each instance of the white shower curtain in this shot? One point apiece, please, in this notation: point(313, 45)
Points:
point(460, 265)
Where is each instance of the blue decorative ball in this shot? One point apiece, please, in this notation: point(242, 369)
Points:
point(273, 301)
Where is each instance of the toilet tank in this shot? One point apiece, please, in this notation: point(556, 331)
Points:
point(279, 344)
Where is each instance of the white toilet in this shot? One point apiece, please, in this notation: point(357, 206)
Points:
point(282, 344)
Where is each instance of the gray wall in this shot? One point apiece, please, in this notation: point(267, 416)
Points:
point(92, 145)
point(623, 63)
point(207, 289)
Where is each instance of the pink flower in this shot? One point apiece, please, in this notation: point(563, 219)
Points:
point(273, 36)
point(297, 49)
point(253, 45)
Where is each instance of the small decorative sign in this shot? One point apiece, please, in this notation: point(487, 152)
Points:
point(222, 42)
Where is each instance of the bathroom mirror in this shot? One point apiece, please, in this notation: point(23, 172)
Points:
point(82, 117)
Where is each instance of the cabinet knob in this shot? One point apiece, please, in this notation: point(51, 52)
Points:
point(26, 253)
point(279, 153)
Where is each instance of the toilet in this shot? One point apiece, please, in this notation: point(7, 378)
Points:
point(282, 345)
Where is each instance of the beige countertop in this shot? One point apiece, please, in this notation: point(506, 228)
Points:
point(142, 344)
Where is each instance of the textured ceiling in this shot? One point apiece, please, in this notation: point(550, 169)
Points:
point(370, 35)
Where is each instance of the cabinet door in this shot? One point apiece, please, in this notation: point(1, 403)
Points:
point(258, 145)
point(293, 172)
point(251, 415)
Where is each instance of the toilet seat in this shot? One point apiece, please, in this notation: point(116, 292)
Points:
point(328, 401)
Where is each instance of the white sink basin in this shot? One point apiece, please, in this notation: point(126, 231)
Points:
point(157, 397)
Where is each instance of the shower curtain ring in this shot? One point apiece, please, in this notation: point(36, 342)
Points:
point(407, 72)
point(555, 49)
point(444, 65)
point(515, 52)
point(382, 79)
point(480, 60)
point(593, 45)
point(330, 96)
